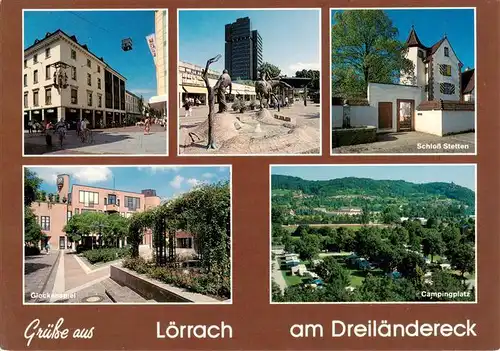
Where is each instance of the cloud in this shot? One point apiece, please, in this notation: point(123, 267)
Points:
point(194, 182)
point(208, 175)
point(223, 169)
point(156, 169)
point(84, 175)
point(177, 182)
point(299, 66)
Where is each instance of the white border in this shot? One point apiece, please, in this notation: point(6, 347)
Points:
point(215, 154)
point(222, 303)
point(94, 154)
point(373, 302)
point(475, 83)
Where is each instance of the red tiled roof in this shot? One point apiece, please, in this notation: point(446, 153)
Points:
point(468, 81)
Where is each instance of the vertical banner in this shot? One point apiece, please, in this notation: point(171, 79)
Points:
point(151, 39)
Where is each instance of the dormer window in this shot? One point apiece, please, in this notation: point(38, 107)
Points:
point(447, 52)
point(420, 54)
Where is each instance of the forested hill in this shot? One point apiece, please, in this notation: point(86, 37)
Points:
point(372, 187)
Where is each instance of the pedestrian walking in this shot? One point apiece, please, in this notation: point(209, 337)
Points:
point(186, 107)
point(78, 127)
point(47, 247)
point(147, 126)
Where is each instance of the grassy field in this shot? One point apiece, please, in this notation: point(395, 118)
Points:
point(291, 279)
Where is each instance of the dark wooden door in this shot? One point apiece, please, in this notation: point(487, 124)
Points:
point(62, 243)
point(384, 115)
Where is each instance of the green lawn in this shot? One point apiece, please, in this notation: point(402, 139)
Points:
point(291, 279)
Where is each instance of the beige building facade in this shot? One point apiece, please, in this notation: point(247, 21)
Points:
point(192, 85)
point(132, 104)
point(159, 102)
point(64, 80)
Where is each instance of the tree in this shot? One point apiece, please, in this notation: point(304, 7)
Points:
point(388, 257)
point(288, 243)
point(378, 289)
point(443, 282)
point(31, 186)
point(410, 263)
point(432, 243)
point(271, 70)
point(462, 257)
point(32, 230)
point(301, 230)
point(432, 223)
point(368, 243)
point(277, 215)
point(398, 235)
point(308, 246)
point(365, 214)
point(365, 49)
point(276, 292)
point(309, 73)
point(332, 272)
point(390, 215)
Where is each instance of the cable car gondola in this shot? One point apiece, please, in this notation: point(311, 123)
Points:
point(127, 44)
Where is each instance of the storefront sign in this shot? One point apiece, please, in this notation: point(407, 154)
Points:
point(151, 39)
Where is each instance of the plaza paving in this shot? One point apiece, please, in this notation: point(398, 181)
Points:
point(63, 277)
point(254, 135)
point(413, 143)
point(118, 141)
point(39, 275)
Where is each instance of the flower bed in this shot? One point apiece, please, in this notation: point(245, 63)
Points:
point(190, 279)
point(105, 255)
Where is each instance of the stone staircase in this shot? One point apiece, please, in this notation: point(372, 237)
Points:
point(122, 294)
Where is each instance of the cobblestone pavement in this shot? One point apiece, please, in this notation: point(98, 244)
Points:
point(414, 143)
point(120, 141)
point(39, 275)
point(274, 138)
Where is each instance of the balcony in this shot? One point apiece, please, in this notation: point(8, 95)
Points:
point(111, 208)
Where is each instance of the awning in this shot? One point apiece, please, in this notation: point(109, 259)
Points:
point(195, 90)
point(158, 98)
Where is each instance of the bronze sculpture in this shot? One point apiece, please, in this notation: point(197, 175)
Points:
point(264, 88)
point(211, 102)
point(223, 82)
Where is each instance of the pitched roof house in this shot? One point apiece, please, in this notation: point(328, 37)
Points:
point(438, 69)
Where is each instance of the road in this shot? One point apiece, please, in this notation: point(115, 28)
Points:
point(277, 275)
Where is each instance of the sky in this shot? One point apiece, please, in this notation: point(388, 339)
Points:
point(168, 181)
point(290, 38)
point(432, 24)
point(463, 175)
point(103, 32)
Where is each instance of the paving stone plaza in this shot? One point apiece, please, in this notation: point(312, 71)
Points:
point(118, 141)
